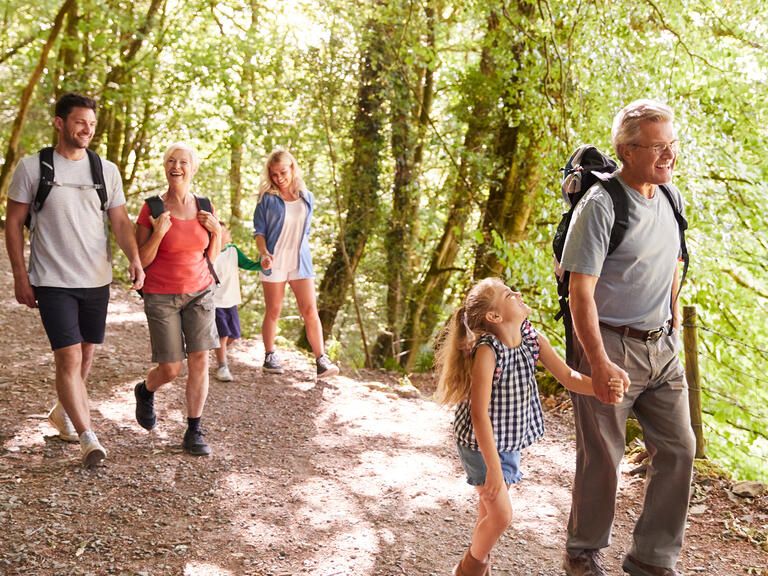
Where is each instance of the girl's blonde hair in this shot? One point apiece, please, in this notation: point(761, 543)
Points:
point(278, 155)
point(453, 350)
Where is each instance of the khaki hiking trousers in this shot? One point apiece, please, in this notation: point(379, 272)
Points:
point(658, 396)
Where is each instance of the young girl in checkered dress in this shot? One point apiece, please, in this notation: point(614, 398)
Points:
point(485, 360)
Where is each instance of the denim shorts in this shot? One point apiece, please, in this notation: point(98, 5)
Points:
point(228, 322)
point(474, 465)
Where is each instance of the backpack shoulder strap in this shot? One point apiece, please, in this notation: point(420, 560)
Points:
point(97, 173)
point(156, 205)
point(682, 223)
point(46, 178)
point(620, 210)
point(682, 226)
point(203, 203)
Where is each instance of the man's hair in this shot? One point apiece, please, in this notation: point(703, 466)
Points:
point(626, 124)
point(72, 100)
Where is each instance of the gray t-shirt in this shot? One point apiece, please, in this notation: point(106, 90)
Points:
point(635, 281)
point(69, 235)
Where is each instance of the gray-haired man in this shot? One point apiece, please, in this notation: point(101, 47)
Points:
point(625, 316)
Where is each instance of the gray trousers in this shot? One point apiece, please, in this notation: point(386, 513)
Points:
point(658, 395)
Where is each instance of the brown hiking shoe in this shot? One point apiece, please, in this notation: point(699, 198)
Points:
point(586, 563)
point(633, 566)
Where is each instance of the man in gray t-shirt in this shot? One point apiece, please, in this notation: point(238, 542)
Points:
point(69, 266)
point(624, 308)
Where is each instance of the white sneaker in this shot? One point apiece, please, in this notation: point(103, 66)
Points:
point(223, 374)
point(58, 418)
point(90, 449)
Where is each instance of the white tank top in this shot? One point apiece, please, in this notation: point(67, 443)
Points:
point(286, 253)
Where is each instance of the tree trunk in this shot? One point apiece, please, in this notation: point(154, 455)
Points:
point(242, 112)
point(112, 119)
point(518, 153)
point(66, 64)
point(410, 108)
point(427, 299)
point(510, 200)
point(235, 177)
point(12, 152)
point(361, 181)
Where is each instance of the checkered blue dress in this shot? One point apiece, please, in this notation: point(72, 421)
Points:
point(515, 407)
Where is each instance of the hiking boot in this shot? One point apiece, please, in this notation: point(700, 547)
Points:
point(90, 449)
point(272, 364)
point(326, 368)
point(636, 568)
point(145, 407)
point(223, 374)
point(194, 443)
point(586, 563)
point(470, 566)
point(58, 418)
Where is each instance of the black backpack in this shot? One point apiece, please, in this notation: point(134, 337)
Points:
point(157, 207)
point(586, 166)
point(47, 178)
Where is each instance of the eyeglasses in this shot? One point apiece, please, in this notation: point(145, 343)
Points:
point(659, 149)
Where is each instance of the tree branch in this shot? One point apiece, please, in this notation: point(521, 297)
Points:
point(743, 283)
point(680, 40)
point(13, 51)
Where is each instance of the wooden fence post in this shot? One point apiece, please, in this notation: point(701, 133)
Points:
point(690, 345)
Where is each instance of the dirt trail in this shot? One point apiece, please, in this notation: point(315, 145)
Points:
point(338, 478)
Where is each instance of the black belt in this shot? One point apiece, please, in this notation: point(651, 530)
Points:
point(651, 335)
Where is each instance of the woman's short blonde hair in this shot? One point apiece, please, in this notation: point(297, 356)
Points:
point(626, 124)
point(186, 148)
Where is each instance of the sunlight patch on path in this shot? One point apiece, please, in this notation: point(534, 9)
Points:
point(421, 480)
point(123, 312)
point(354, 553)
point(542, 501)
point(247, 355)
point(371, 413)
point(33, 433)
point(205, 569)
point(338, 522)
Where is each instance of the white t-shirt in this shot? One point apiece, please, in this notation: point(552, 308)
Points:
point(227, 293)
point(286, 253)
point(69, 235)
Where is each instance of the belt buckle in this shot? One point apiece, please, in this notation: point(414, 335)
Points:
point(654, 335)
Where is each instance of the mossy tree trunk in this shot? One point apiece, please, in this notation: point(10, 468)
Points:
point(361, 179)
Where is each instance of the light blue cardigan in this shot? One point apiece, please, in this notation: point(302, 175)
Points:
point(268, 219)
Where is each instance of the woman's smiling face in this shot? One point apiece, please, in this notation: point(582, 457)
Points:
point(281, 174)
point(179, 167)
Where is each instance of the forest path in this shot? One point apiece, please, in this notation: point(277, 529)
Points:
point(337, 478)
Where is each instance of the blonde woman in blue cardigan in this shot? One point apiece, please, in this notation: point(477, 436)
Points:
point(281, 226)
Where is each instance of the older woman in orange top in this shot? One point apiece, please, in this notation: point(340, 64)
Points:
point(175, 250)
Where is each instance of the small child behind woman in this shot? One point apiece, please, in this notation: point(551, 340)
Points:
point(485, 361)
point(227, 298)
